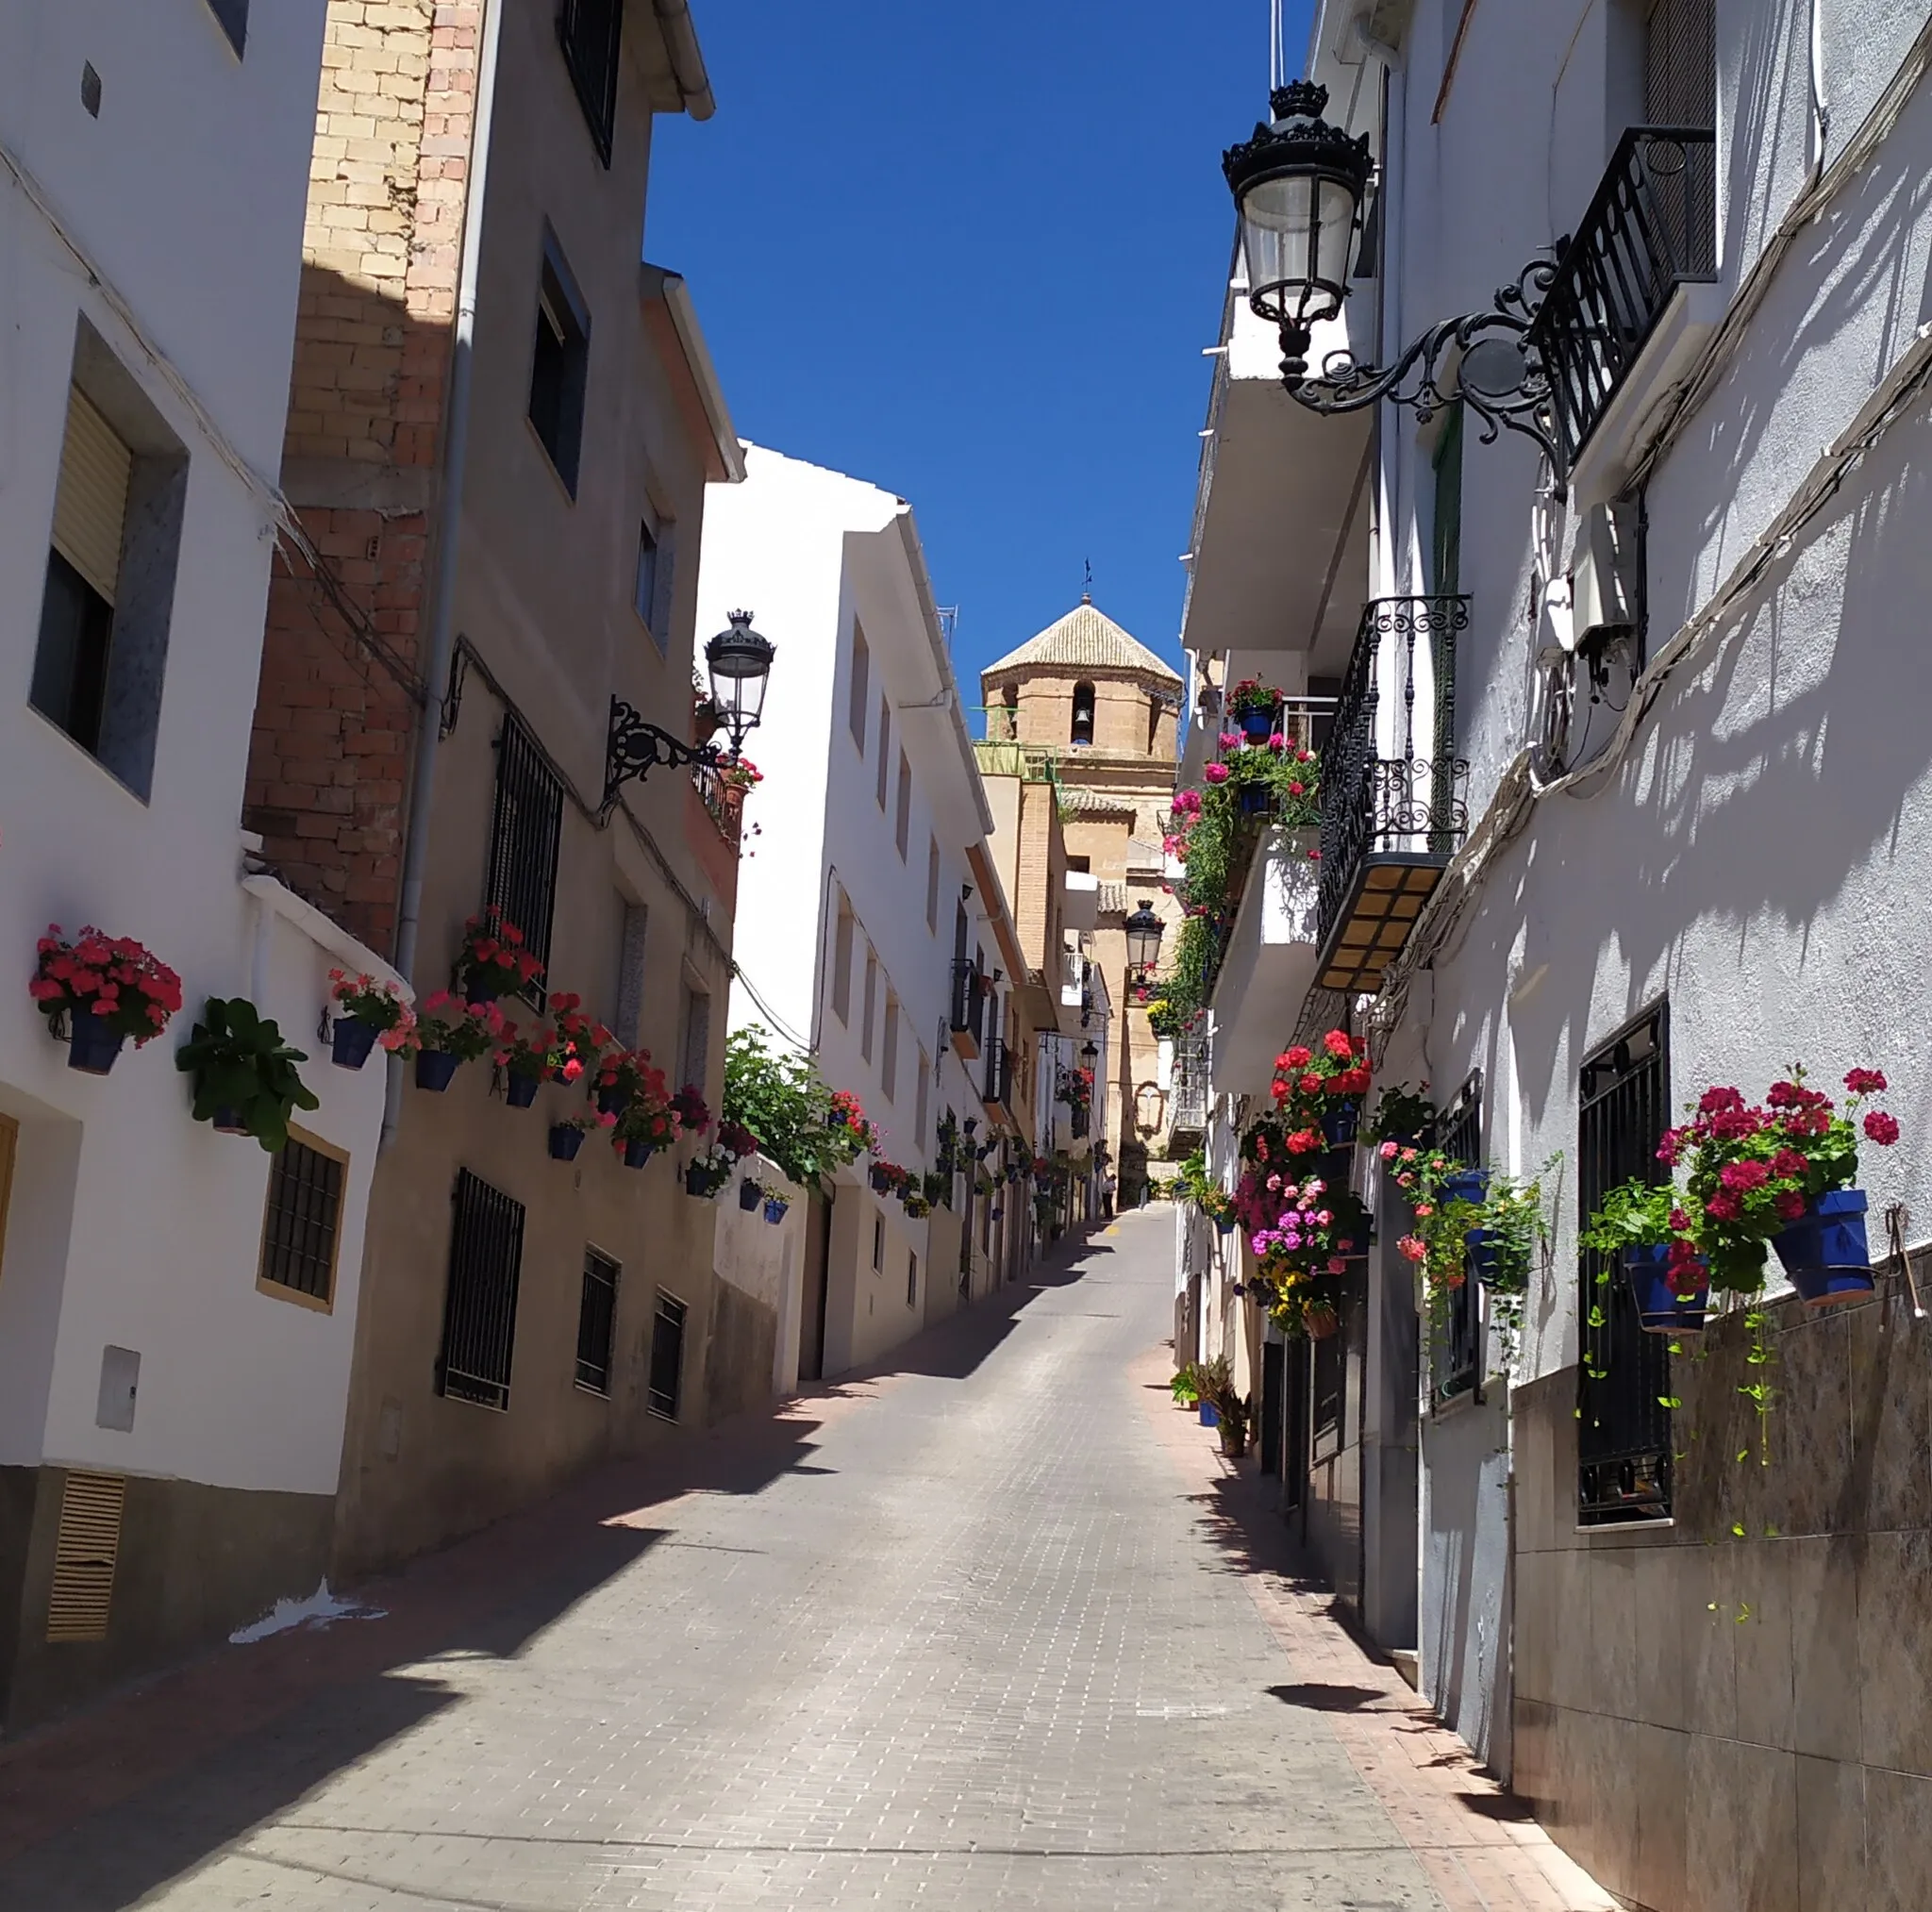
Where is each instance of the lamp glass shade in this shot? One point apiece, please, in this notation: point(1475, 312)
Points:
point(1297, 228)
point(740, 662)
point(1144, 931)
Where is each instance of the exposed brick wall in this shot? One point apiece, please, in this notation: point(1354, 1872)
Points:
point(335, 715)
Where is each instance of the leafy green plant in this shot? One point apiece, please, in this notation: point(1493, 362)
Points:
point(242, 1067)
point(1634, 1214)
point(1184, 1386)
point(1402, 1114)
point(785, 1103)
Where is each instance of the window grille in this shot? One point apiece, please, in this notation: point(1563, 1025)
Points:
point(304, 1206)
point(667, 1357)
point(523, 839)
point(1623, 1429)
point(590, 31)
point(479, 1315)
point(596, 1319)
point(1457, 1345)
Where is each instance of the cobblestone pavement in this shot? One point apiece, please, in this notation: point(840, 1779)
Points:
point(963, 1636)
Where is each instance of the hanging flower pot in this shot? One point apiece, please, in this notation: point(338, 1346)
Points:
point(1339, 1122)
point(93, 1046)
point(1225, 1224)
point(775, 1206)
point(881, 1180)
point(494, 961)
point(1826, 1251)
point(229, 1122)
point(519, 1091)
point(1669, 1301)
point(636, 1154)
point(1252, 800)
point(566, 1139)
point(1321, 1320)
point(481, 988)
point(1257, 726)
point(749, 1196)
point(436, 1069)
point(350, 1042)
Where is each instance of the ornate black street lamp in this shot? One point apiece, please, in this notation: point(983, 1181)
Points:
point(739, 663)
point(1089, 1053)
point(1299, 183)
point(1144, 931)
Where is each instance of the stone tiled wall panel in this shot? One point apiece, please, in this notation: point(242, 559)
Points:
point(1734, 1710)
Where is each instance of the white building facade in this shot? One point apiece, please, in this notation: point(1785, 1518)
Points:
point(1656, 862)
point(172, 1372)
point(865, 930)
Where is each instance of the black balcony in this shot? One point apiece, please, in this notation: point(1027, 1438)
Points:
point(998, 1091)
point(969, 1006)
point(1392, 787)
point(1651, 228)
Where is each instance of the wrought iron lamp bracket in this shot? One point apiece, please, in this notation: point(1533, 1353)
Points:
point(635, 748)
point(1489, 360)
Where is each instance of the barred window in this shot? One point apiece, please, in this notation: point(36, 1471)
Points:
point(525, 835)
point(596, 1321)
point(1456, 1350)
point(590, 31)
point(304, 1220)
point(479, 1311)
point(667, 1355)
point(1623, 1378)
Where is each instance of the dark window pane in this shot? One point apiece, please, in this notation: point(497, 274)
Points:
point(479, 1321)
point(590, 31)
point(667, 1355)
point(559, 366)
point(596, 1317)
point(524, 839)
point(233, 14)
point(69, 683)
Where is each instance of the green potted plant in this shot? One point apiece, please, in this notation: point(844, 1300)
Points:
point(704, 1176)
point(1185, 1388)
point(524, 1060)
point(1647, 1230)
point(110, 988)
point(245, 1076)
point(366, 1012)
point(567, 1135)
point(1404, 1116)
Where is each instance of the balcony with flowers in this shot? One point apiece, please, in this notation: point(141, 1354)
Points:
point(1246, 848)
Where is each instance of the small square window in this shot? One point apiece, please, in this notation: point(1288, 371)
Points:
point(559, 365)
point(303, 1221)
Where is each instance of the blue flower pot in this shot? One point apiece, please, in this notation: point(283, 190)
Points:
point(1258, 726)
point(1466, 1185)
point(1252, 800)
point(435, 1070)
point(1661, 1308)
point(350, 1042)
point(637, 1154)
point(1337, 1165)
point(1209, 1417)
point(749, 1196)
point(1826, 1251)
point(611, 1101)
point(519, 1091)
point(565, 1142)
point(774, 1212)
point(227, 1122)
point(92, 1046)
point(697, 1183)
point(476, 990)
point(1339, 1124)
point(1225, 1224)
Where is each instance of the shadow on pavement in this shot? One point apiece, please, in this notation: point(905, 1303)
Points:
point(1316, 1697)
point(105, 1806)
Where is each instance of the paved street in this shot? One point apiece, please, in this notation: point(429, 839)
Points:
point(973, 1634)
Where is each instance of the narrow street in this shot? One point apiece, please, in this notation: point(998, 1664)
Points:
point(977, 1631)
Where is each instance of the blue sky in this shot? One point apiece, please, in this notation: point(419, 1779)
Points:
point(972, 253)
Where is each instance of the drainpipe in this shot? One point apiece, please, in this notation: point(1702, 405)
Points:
point(686, 57)
point(443, 587)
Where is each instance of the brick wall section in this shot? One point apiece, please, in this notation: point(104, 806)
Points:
point(335, 716)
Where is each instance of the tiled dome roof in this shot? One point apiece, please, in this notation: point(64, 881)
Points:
point(1085, 640)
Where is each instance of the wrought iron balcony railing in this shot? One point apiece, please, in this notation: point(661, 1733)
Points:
point(1392, 787)
point(969, 1006)
point(1651, 227)
point(1189, 1101)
